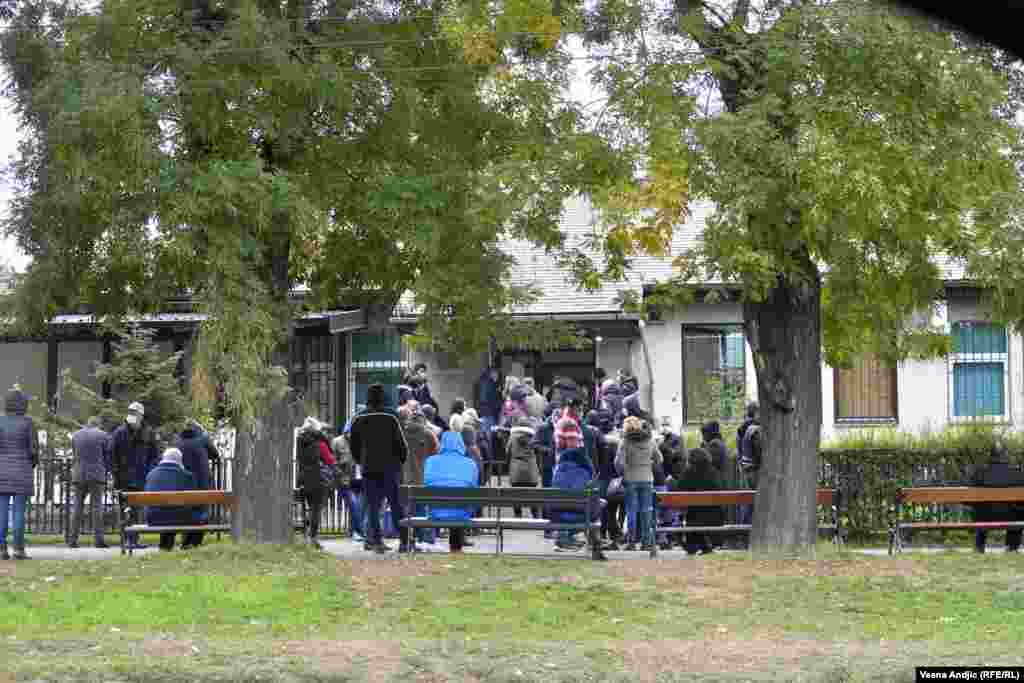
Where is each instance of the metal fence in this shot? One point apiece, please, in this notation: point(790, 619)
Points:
point(51, 506)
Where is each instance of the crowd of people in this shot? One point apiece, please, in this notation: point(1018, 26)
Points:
point(563, 436)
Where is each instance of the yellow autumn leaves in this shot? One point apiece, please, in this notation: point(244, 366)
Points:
point(482, 35)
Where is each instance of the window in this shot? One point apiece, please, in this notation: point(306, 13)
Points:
point(376, 359)
point(314, 375)
point(866, 392)
point(978, 371)
point(714, 372)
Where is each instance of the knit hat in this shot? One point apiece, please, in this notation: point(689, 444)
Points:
point(568, 434)
point(172, 455)
point(137, 408)
point(311, 424)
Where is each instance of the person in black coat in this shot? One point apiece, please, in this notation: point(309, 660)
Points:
point(700, 475)
point(998, 474)
point(378, 446)
point(714, 444)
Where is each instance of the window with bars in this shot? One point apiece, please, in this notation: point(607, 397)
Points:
point(314, 374)
point(867, 391)
point(978, 372)
point(714, 372)
point(376, 359)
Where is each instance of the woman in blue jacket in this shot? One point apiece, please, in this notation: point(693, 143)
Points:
point(452, 467)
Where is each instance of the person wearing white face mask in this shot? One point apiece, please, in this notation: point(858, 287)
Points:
point(134, 455)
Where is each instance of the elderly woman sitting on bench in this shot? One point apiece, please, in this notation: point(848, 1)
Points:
point(170, 475)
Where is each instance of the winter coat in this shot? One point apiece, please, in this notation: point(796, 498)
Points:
point(197, 450)
point(605, 461)
point(378, 444)
point(19, 447)
point(632, 408)
point(629, 385)
point(451, 467)
point(701, 479)
point(611, 400)
point(169, 476)
point(639, 456)
point(563, 391)
point(543, 444)
point(134, 455)
point(308, 459)
point(573, 471)
point(422, 444)
point(512, 411)
point(488, 396)
point(91, 447)
point(523, 469)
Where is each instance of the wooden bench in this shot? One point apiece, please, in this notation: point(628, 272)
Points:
point(137, 500)
point(586, 501)
point(679, 500)
point(950, 495)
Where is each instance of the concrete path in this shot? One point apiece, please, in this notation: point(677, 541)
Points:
point(517, 543)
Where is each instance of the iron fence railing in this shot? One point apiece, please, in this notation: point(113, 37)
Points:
point(50, 508)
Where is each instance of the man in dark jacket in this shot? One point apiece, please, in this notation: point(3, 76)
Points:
point(313, 452)
point(169, 475)
point(746, 458)
point(378, 445)
point(998, 475)
point(91, 448)
point(421, 386)
point(197, 451)
point(134, 455)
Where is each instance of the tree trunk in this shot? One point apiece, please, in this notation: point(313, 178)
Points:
point(785, 335)
point(264, 477)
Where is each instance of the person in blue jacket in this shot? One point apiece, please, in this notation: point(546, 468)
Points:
point(453, 467)
point(170, 475)
point(573, 471)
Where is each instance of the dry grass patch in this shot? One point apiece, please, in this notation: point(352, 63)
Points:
point(379, 660)
point(169, 647)
point(647, 660)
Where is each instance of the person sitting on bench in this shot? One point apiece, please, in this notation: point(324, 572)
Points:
point(453, 468)
point(700, 475)
point(998, 474)
point(170, 475)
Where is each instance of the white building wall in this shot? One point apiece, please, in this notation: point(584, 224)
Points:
point(614, 355)
point(448, 381)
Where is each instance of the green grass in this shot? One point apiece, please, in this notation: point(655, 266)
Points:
point(225, 612)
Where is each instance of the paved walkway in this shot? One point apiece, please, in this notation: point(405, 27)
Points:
point(523, 543)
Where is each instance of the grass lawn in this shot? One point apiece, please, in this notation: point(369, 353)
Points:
point(241, 613)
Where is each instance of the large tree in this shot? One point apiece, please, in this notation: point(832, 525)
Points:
point(236, 149)
point(847, 147)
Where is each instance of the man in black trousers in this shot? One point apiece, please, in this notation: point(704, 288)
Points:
point(378, 446)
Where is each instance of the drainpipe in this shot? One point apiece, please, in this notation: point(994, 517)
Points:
point(650, 370)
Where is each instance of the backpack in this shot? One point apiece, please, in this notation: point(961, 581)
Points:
point(750, 448)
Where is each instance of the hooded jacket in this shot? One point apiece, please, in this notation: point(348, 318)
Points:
point(573, 471)
point(639, 455)
point(453, 468)
point(308, 459)
point(523, 469)
point(197, 450)
point(19, 446)
point(422, 444)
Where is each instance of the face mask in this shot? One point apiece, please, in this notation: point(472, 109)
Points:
point(133, 420)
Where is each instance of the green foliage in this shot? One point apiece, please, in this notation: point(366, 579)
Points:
point(873, 464)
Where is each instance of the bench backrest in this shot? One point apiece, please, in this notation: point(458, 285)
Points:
point(961, 494)
point(683, 499)
point(503, 496)
point(181, 498)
